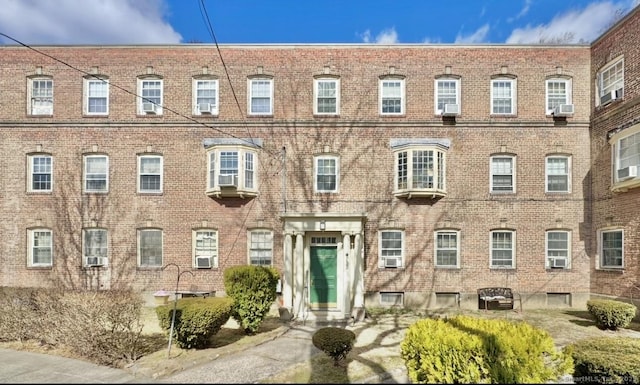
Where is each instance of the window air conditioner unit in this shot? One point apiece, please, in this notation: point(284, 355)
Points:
point(229, 180)
point(451, 110)
point(203, 262)
point(563, 110)
point(628, 172)
point(149, 108)
point(95, 261)
point(558, 262)
point(611, 96)
point(391, 262)
point(204, 108)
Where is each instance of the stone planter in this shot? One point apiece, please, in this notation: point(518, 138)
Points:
point(161, 297)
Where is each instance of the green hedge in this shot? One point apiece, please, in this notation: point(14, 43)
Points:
point(606, 360)
point(334, 341)
point(253, 289)
point(465, 349)
point(611, 314)
point(196, 321)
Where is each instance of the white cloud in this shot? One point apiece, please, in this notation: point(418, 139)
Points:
point(479, 36)
point(387, 36)
point(575, 26)
point(86, 22)
point(523, 11)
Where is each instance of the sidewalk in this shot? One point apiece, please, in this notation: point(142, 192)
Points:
point(289, 346)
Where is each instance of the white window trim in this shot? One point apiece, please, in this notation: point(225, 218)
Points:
point(250, 245)
point(513, 249)
point(514, 96)
point(316, 95)
point(84, 175)
point(546, 248)
point(568, 89)
point(600, 256)
point(435, 249)
point(30, 241)
point(250, 96)
point(30, 97)
point(30, 171)
point(381, 258)
point(546, 174)
point(139, 174)
point(141, 99)
point(392, 294)
point(196, 105)
point(85, 98)
point(436, 110)
point(315, 173)
point(513, 173)
point(215, 253)
point(617, 184)
point(381, 95)
point(84, 255)
point(139, 247)
point(599, 81)
point(242, 151)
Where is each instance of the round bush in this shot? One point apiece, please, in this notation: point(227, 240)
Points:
point(335, 342)
point(611, 314)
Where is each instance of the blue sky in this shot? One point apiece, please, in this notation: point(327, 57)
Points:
point(36, 22)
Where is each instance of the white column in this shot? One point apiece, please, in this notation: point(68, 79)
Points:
point(358, 300)
point(300, 278)
point(347, 278)
point(287, 273)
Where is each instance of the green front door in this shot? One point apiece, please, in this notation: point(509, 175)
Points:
point(323, 276)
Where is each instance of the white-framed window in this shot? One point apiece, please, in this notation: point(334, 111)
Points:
point(558, 92)
point(419, 167)
point(150, 171)
point(261, 96)
point(261, 247)
point(326, 173)
point(40, 95)
point(326, 99)
point(503, 252)
point(391, 246)
point(388, 298)
point(40, 253)
point(503, 174)
point(151, 96)
point(94, 247)
point(391, 96)
point(96, 91)
point(447, 91)
point(233, 168)
point(610, 82)
point(150, 248)
point(447, 248)
point(40, 178)
point(625, 155)
point(558, 249)
point(558, 174)
point(96, 174)
point(205, 248)
point(611, 249)
point(205, 96)
point(503, 96)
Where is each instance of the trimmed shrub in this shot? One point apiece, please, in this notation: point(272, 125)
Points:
point(253, 289)
point(334, 342)
point(465, 349)
point(611, 314)
point(606, 360)
point(196, 320)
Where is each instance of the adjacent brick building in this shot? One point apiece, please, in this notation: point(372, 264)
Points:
point(368, 175)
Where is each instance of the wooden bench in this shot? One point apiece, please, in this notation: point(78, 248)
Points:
point(495, 298)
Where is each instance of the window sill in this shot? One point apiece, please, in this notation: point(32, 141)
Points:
point(454, 268)
point(611, 269)
point(393, 115)
point(332, 116)
point(48, 267)
point(35, 192)
point(626, 185)
point(260, 116)
point(231, 193)
point(421, 193)
point(150, 193)
point(40, 115)
point(553, 269)
point(95, 115)
point(502, 268)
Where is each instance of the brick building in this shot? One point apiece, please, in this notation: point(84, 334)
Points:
point(368, 175)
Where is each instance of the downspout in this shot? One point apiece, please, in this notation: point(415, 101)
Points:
point(284, 179)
